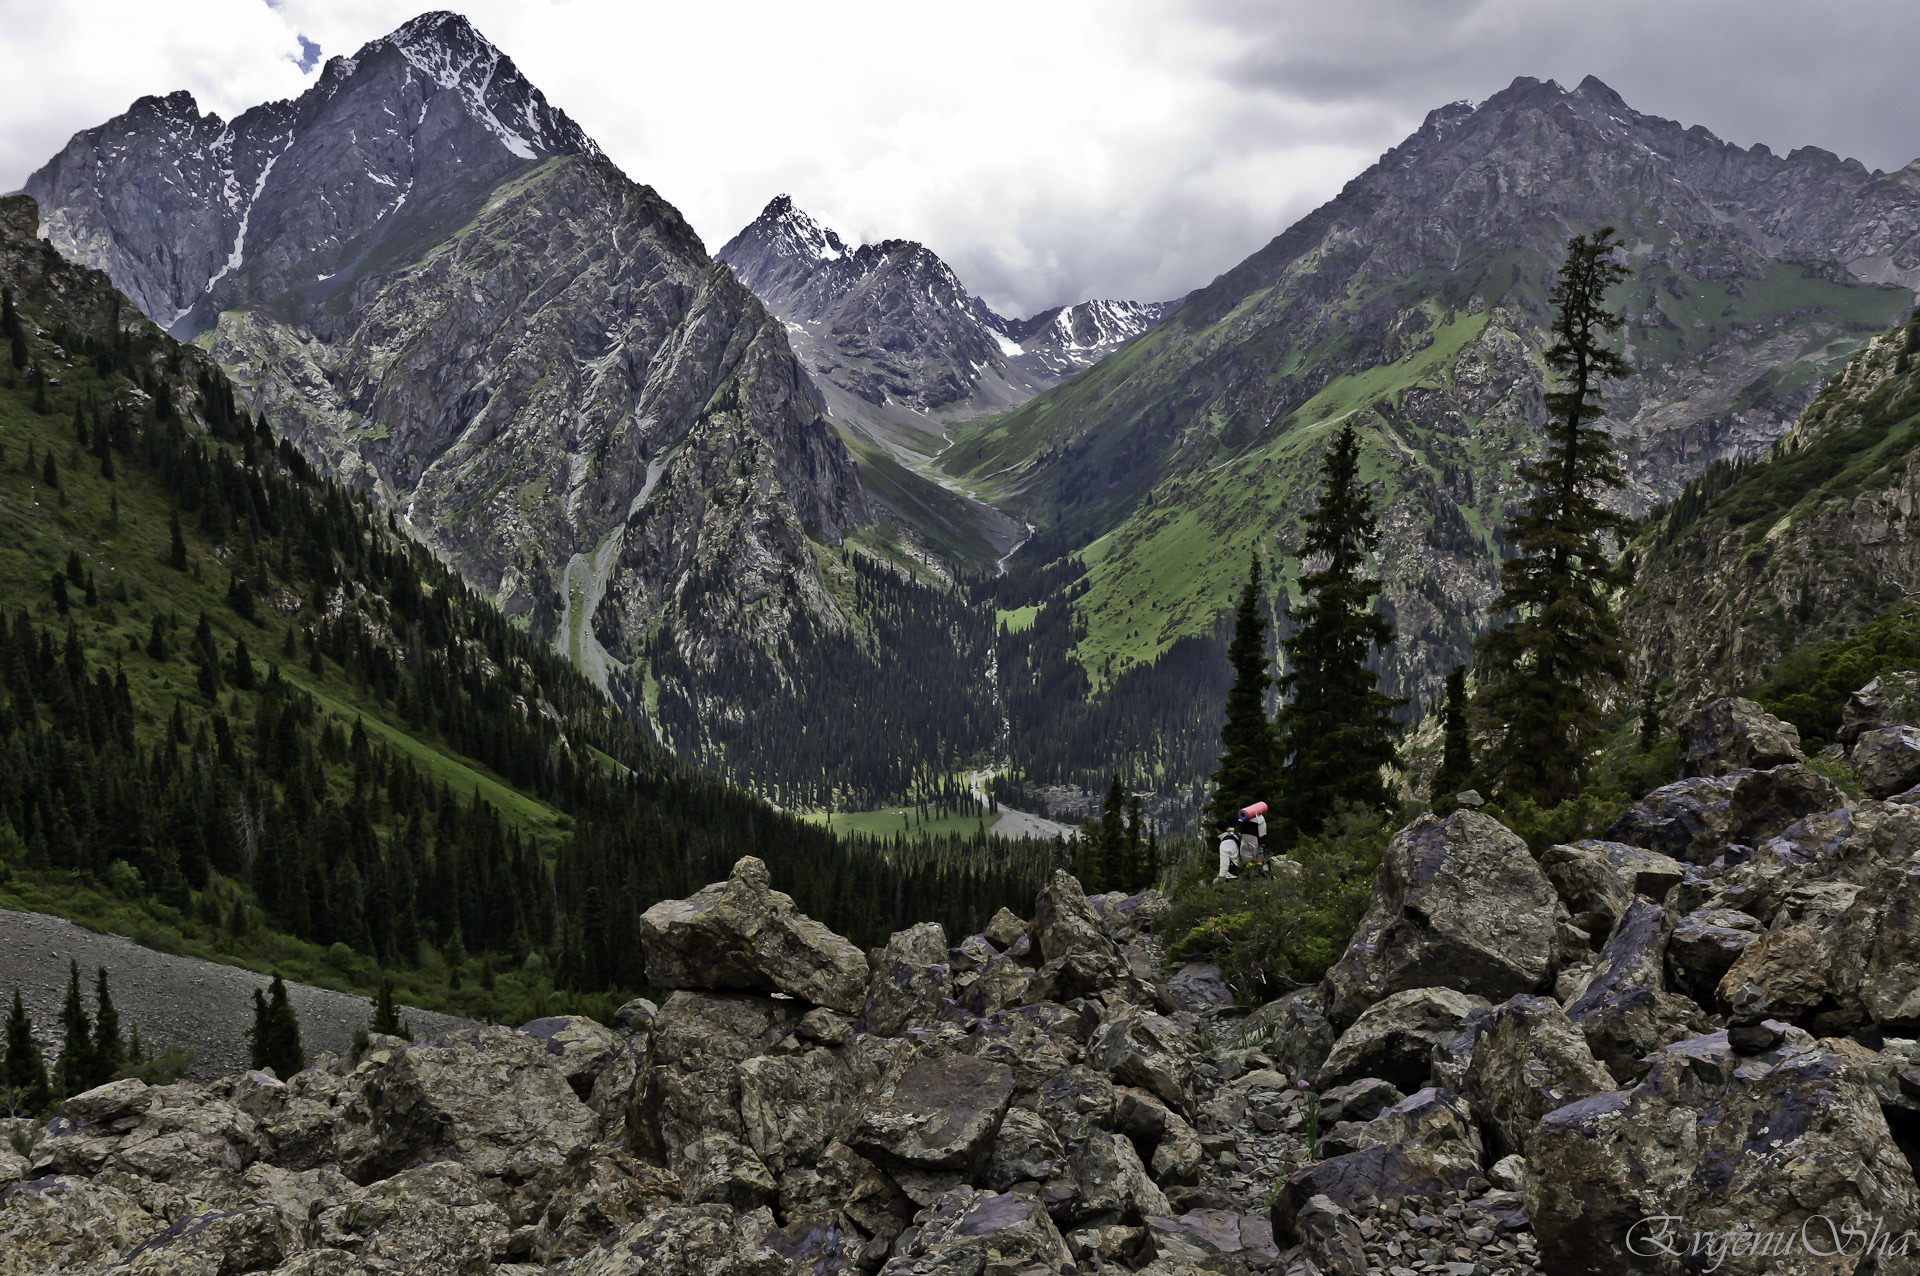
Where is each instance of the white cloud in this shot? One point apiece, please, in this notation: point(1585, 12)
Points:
point(1051, 151)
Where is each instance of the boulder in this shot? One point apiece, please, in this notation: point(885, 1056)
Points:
point(1875, 946)
point(793, 1105)
point(1141, 1048)
point(1891, 699)
point(1395, 1039)
point(189, 1140)
point(1331, 1237)
point(430, 1218)
point(700, 1039)
point(1528, 1060)
point(490, 1098)
point(579, 1047)
point(1703, 947)
point(1767, 803)
point(1001, 983)
point(940, 1114)
point(1596, 880)
point(1160, 1135)
point(1199, 1237)
point(1025, 1150)
point(843, 1181)
point(1784, 975)
point(1294, 1031)
point(602, 1190)
point(1710, 1141)
point(1732, 734)
point(970, 954)
point(1625, 1011)
point(1887, 760)
point(741, 934)
point(911, 977)
point(1035, 1041)
point(1359, 1101)
point(1003, 928)
point(966, 1230)
point(697, 1240)
point(1688, 820)
point(105, 1105)
point(1424, 1146)
point(1077, 1102)
point(1199, 988)
point(719, 1169)
point(64, 1223)
point(1459, 903)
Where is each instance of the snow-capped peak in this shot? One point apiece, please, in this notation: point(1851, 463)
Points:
point(793, 232)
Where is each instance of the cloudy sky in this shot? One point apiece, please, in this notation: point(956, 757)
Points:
point(1051, 150)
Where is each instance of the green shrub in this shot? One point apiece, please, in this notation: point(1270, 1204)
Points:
point(123, 879)
point(340, 957)
point(1810, 687)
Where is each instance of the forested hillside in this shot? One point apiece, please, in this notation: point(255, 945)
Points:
point(247, 717)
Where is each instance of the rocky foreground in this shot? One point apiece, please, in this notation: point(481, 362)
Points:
point(1685, 1049)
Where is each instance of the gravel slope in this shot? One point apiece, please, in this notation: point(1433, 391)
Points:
point(201, 1005)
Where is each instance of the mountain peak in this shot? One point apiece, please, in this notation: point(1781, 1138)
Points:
point(783, 229)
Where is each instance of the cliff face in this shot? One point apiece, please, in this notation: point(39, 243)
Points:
point(1804, 545)
point(433, 282)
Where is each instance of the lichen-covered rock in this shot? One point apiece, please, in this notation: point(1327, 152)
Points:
point(62, 1223)
point(1198, 987)
point(1036, 1041)
point(188, 1139)
point(940, 1114)
point(1425, 1145)
point(1294, 1031)
point(1875, 949)
point(1890, 699)
point(1458, 903)
point(1767, 803)
point(683, 1240)
point(1887, 759)
point(490, 1098)
point(1688, 819)
point(1395, 1039)
point(793, 1105)
point(741, 934)
point(1331, 1237)
point(1141, 1048)
point(1596, 880)
point(601, 1190)
point(1003, 928)
point(841, 1180)
point(1025, 1149)
point(720, 1169)
point(248, 1238)
point(911, 977)
point(434, 1217)
point(1713, 1142)
point(1703, 947)
point(965, 1230)
point(1199, 1236)
point(107, 1104)
point(1065, 924)
point(1785, 974)
point(1625, 1011)
point(1528, 1059)
point(1732, 734)
point(579, 1047)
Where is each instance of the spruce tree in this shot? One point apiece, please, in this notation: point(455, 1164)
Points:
point(75, 1065)
point(1336, 726)
point(1550, 665)
point(177, 545)
point(275, 1034)
point(1247, 736)
point(386, 1018)
point(109, 1050)
point(1456, 757)
point(26, 1069)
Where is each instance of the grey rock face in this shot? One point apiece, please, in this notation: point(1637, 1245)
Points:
point(1731, 734)
point(742, 934)
point(437, 287)
point(1459, 903)
point(911, 976)
point(940, 1115)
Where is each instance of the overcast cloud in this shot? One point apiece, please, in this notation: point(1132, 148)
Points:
point(1050, 150)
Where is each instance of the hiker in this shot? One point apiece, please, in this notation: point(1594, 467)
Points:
point(1251, 828)
point(1229, 850)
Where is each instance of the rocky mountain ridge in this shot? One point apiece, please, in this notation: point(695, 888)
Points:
point(434, 283)
point(1692, 1030)
point(1414, 305)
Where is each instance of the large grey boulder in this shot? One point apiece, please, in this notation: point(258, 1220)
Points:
point(1331, 1237)
point(489, 1098)
point(1887, 760)
point(1458, 903)
point(578, 1046)
point(911, 977)
point(966, 1230)
point(741, 934)
point(1732, 734)
point(1293, 1030)
point(1141, 1048)
point(940, 1114)
point(1425, 1145)
point(1875, 949)
point(697, 1240)
point(1767, 803)
point(1528, 1059)
point(1786, 974)
point(1198, 1241)
point(1065, 924)
point(1596, 880)
point(1712, 1141)
point(1625, 1011)
point(1703, 947)
point(1395, 1039)
point(700, 1042)
point(1689, 819)
point(1889, 700)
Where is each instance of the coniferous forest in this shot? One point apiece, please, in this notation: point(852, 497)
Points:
point(246, 717)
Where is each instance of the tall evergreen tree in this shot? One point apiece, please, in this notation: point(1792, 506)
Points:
point(75, 1064)
point(385, 1017)
point(1549, 666)
point(109, 1049)
point(1456, 757)
point(26, 1069)
point(1247, 736)
point(1336, 726)
point(176, 544)
point(275, 1035)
